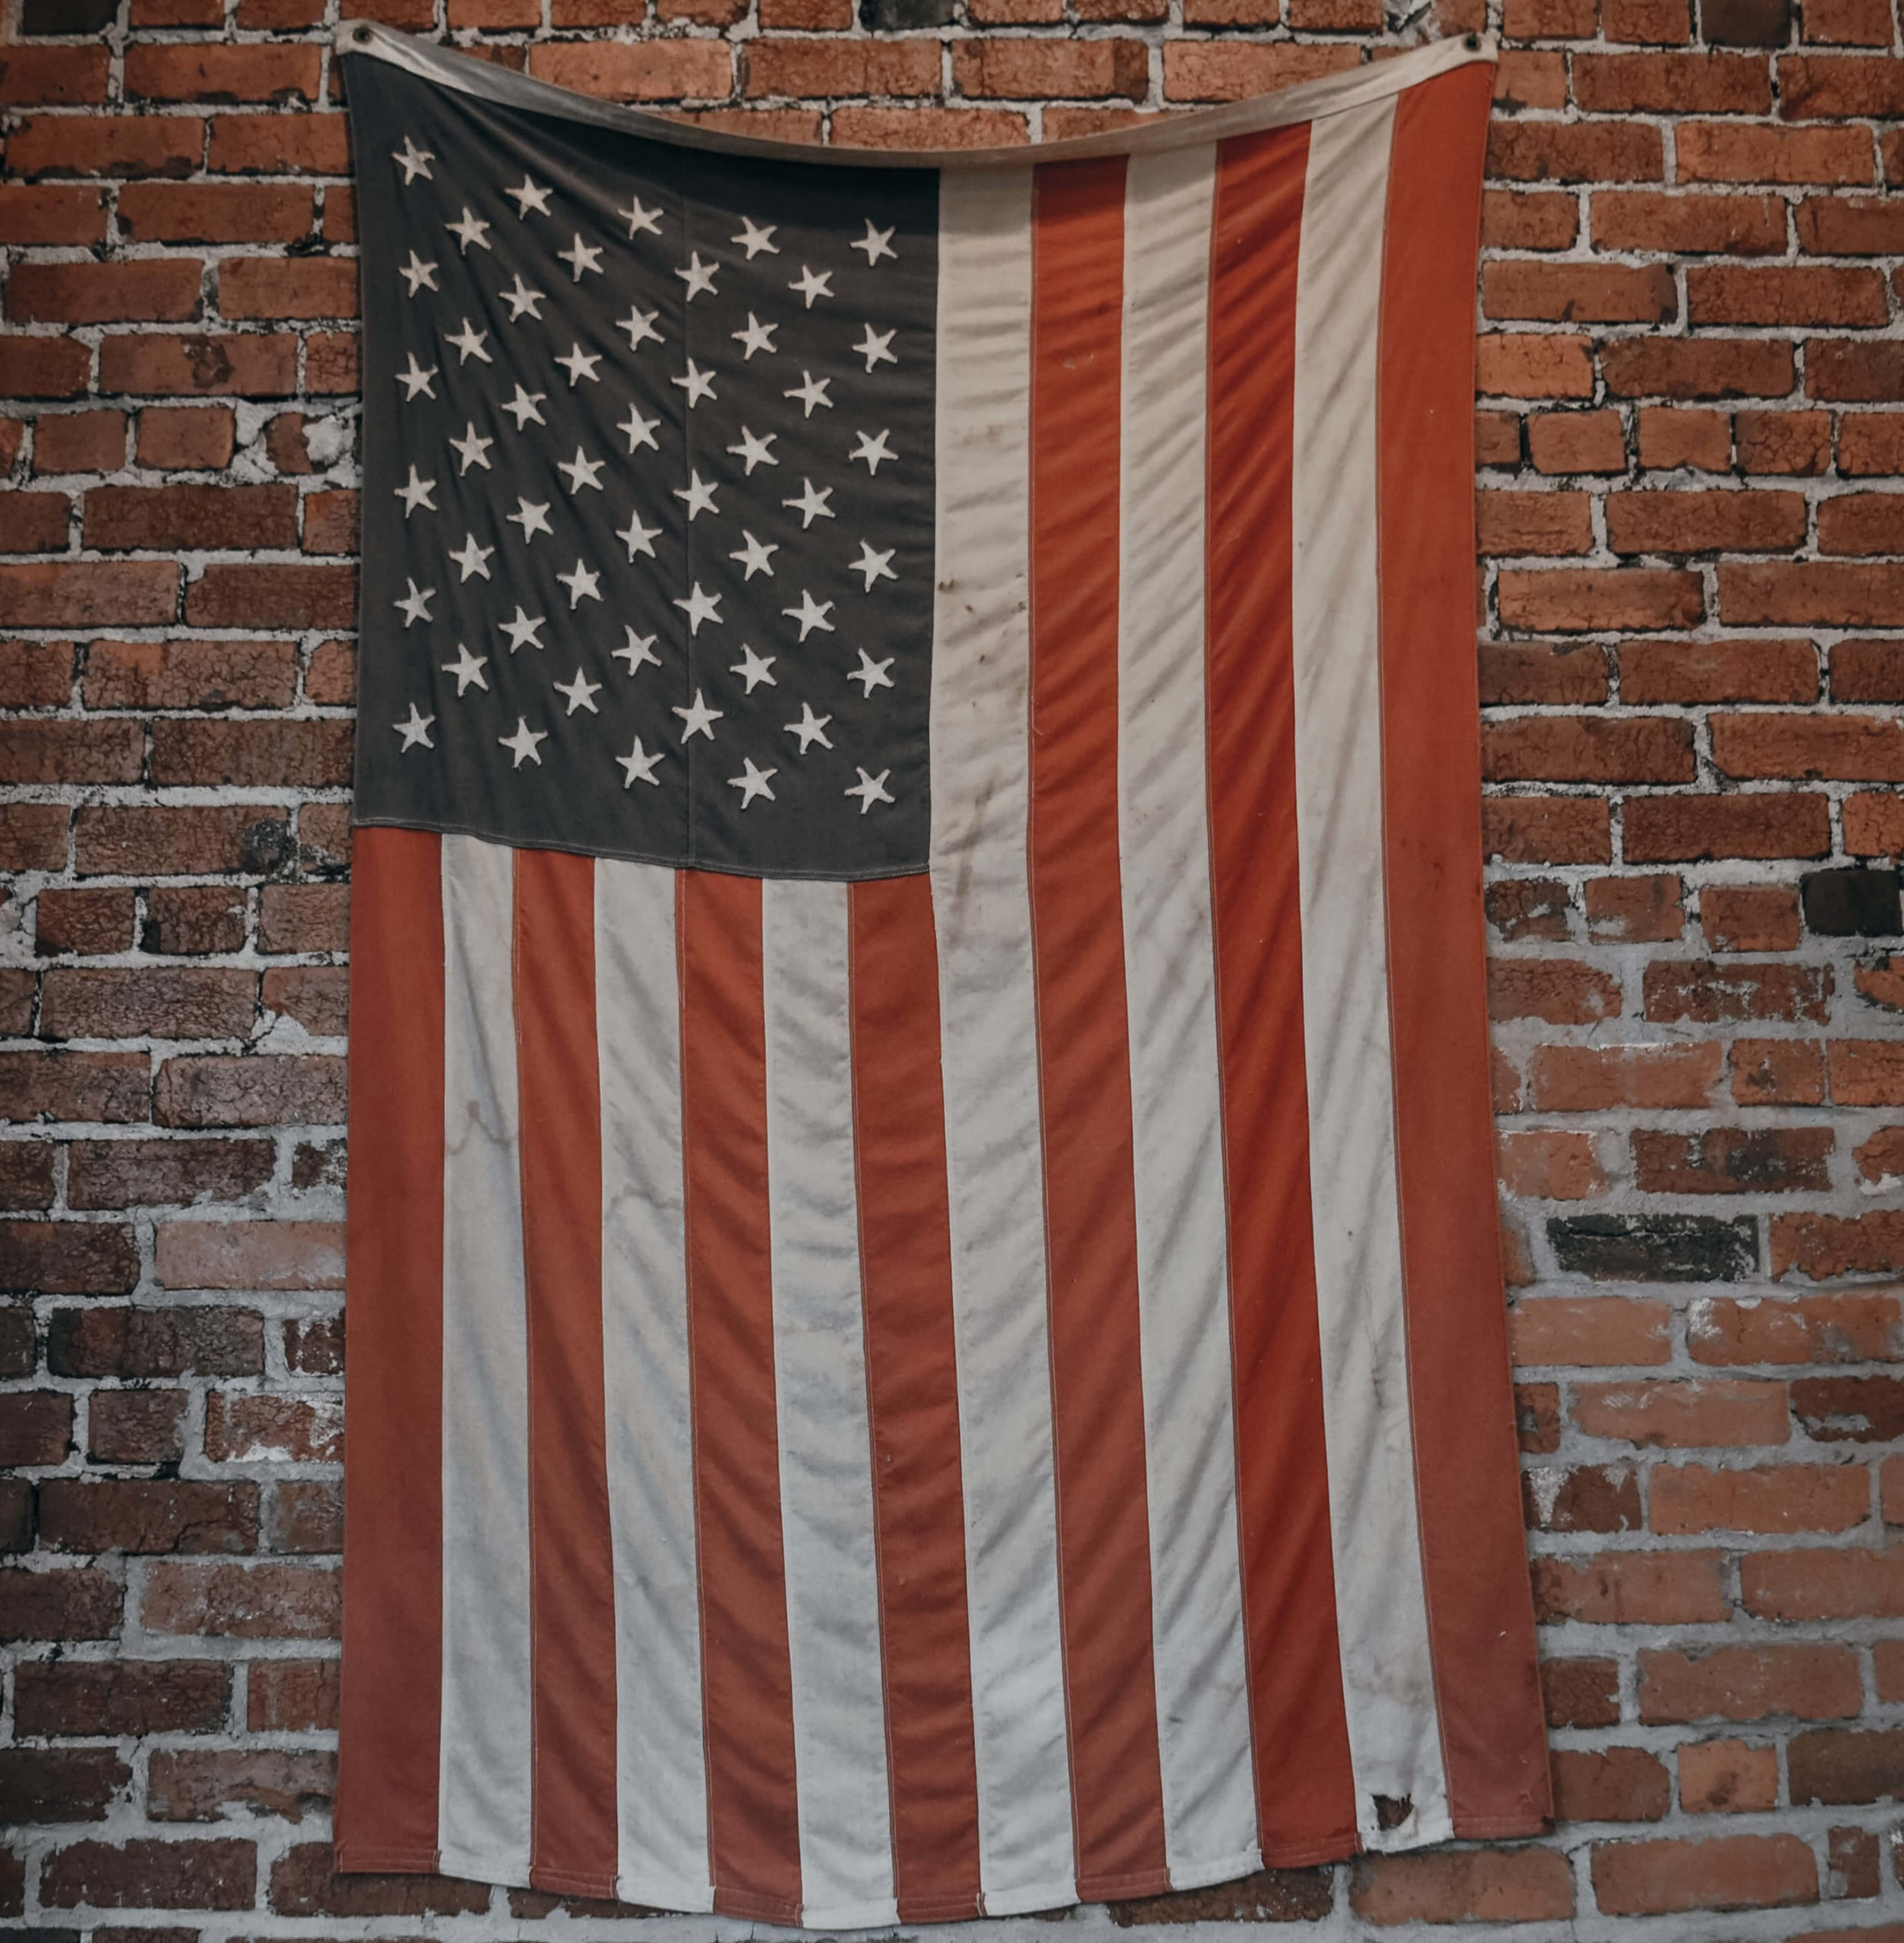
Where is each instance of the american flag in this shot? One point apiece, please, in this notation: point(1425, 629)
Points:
point(926, 1335)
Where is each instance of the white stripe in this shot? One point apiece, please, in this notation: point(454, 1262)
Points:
point(1170, 976)
point(1381, 1608)
point(981, 907)
point(661, 1784)
point(825, 1437)
point(483, 1812)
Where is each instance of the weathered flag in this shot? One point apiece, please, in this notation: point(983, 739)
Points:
point(926, 1332)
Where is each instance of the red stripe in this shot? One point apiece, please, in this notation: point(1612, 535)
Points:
point(1305, 1787)
point(1479, 1621)
point(912, 1395)
point(1084, 1053)
point(747, 1684)
point(388, 1752)
point(572, 1592)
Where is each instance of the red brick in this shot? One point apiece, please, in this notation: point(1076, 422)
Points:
point(626, 70)
point(1728, 1777)
point(215, 213)
point(1533, 522)
point(170, 516)
point(250, 1255)
point(1609, 1784)
point(1563, 992)
point(1683, 522)
point(1808, 1682)
point(306, 1517)
point(56, 215)
point(1711, 993)
point(157, 289)
point(1776, 1499)
point(155, 842)
point(280, 145)
point(1546, 829)
point(34, 522)
point(1794, 442)
point(93, 1697)
point(81, 1602)
point(80, 441)
point(1575, 152)
point(834, 67)
point(1822, 1246)
point(1835, 747)
point(205, 71)
point(1777, 294)
point(1850, 226)
point(145, 1873)
point(134, 1173)
point(1635, 910)
point(67, 1257)
point(45, 367)
point(308, 753)
point(139, 1343)
point(255, 366)
point(302, 286)
point(1731, 152)
point(1538, 671)
point(1671, 830)
point(1873, 825)
point(175, 1002)
point(158, 1514)
point(35, 1427)
point(1631, 1588)
point(1838, 1765)
point(1824, 1583)
point(271, 1601)
point(1868, 671)
point(1589, 1330)
point(253, 1426)
point(1729, 1873)
point(1670, 437)
point(1752, 1160)
point(1702, 368)
point(1558, 365)
point(1495, 1885)
point(1880, 1159)
point(1678, 1416)
point(1548, 1166)
point(1593, 1079)
point(136, 1426)
point(114, 145)
point(63, 76)
point(1871, 443)
point(202, 1784)
point(1580, 293)
point(185, 437)
point(1742, 917)
point(291, 1696)
point(1635, 220)
point(53, 1785)
point(304, 917)
point(1866, 23)
point(1828, 87)
point(1855, 371)
point(1589, 748)
point(1588, 600)
point(252, 1089)
point(1861, 523)
point(281, 597)
point(1581, 1692)
point(1527, 222)
point(1709, 671)
point(1566, 442)
point(190, 674)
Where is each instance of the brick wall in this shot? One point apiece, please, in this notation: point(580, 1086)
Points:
point(1691, 428)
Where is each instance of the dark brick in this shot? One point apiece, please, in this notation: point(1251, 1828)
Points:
point(1853, 903)
point(1655, 1247)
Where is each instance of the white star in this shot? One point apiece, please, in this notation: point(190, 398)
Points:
point(522, 629)
point(527, 197)
point(699, 607)
point(698, 276)
point(640, 218)
point(698, 720)
point(417, 379)
point(753, 784)
point(756, 337)
point(810, 728)
point(810, 614)
point(755, 669)
point(581, 693)
point(522, 407)
point(699, 495)
point(811, 505)
point(754, 238)
point(472, 230)
point(414, 606)
point(471, 449)
point(473, 560)
point(876, 243)
point(640, 430)
point(532, 518)
point(416, 493)
point(415, 731)
point(417, 274)
point(755, 555)
point(811, 284)
point(582, 585)
point(874, 565)
point(520, 299)
point(639, 325)
point(697, 384)
point(875, 347)
point(414, 161)
point(810, 391)
point(468, 668)
point(579, 364)
point(870, 789)
point(872, 672)
point(581, 258)
point(640, 649)
point(641, 539)
point(582, 471)
point(640, 766)
point(875, 451)
point(471, 342)
point(755, 451)
point(522, 744)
